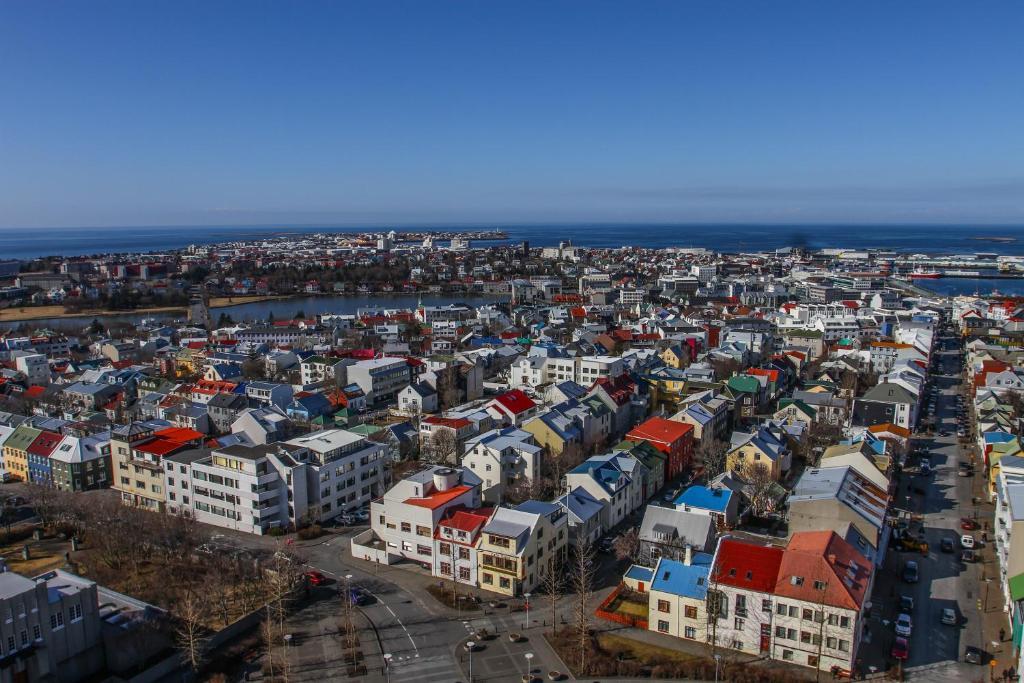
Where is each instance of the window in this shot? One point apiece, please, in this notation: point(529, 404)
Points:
point(488, 579)
point(819, 585)
point(737, 644)
point(844, 646)
point(807, 614)
point(56, 621)
point(780, 609)
point(406, 527)
point(24, 638)
point(737, 624)
point(787, 655)
point(794, 611)
point(664, 606)
point(423, 549)
point(662, 626)
point(741, 605)
point(464, 573)
point(833, 620)
point(831, 643)
point(844, 622)
point(690, 632)
point(780, 631)
point(505, 582)
point(812, 660)
point(10, 644)
point(446, 569)
point(445, 549)
point(766, 606)
point(37, 633)
point(690, 611)
point(805, 637)
point(463, 553)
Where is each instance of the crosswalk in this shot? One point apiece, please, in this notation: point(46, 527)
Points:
point(426, 670)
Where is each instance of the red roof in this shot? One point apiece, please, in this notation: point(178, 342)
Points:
point(619, 389)
point(159, 446)
point(772, 375)
point(438, 498)
point(179, 434)
point(461, 518)
point(841, 573)
point(196, 345)
point(34, 392)
point(515, 401)
point(661, 430)
point(748, 566)
point(44, 444)
point(453, 422)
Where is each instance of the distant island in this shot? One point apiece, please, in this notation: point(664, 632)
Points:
point(994, 239)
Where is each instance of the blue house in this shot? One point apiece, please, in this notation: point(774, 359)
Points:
point(722, 504)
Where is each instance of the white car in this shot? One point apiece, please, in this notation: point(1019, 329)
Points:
point(967, 541)
point(904, 625)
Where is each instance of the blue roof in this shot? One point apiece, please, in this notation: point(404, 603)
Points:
point(998, 436)
point(638, 573)
point(687, 580)
point(704, 498)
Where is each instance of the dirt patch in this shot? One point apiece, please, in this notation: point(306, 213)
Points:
point(44, 555)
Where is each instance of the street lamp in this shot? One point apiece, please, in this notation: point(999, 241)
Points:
point(529, 668)
point(718, 658)
point(527, 624)
point(470, 644)
point(387, 667)
point(348, 589)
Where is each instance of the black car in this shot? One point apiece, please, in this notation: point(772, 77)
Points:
point(947, 545)
point(974, 655)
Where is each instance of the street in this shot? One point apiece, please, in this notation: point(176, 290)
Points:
point(936, 649)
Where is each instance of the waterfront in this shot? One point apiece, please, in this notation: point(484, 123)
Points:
point(936, 239)
point(282, 309)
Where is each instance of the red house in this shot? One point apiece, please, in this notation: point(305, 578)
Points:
point(675, 439)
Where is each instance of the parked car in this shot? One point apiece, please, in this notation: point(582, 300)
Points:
point(946, 544)
point(900, 648)
point(973, 655)
point(964, 469)
point(968, 556)
point(911, 574)
point(904, 625)
point(315, 578)
point(967, 541)
point(360, 596)
point(949, 617)
point(968, 524)
point(906, 604)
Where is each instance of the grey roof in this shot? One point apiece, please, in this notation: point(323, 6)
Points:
point(888, 393)
point(13, 585)
point(581, 505)
point(684, 527)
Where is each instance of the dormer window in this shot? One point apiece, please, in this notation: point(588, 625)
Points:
point(797, 580)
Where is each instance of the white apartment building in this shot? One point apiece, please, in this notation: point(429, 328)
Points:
point(403, 521)
point(502, 458)
point(584, 370)
point(245, 488)
point(456, 541)
point(33, 365)
point(520, 545)
point(346, 471)
point(380, 378)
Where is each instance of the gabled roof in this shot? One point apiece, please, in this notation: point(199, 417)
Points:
point(660, 430)
point(515, 402)
point(821, 567)
point(747, 566)
point(705, 498)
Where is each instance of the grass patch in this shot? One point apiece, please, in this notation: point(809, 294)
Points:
point(642, 651)
point(44, 555)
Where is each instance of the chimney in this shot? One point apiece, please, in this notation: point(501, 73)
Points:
point(831, 558)
point(688, 558)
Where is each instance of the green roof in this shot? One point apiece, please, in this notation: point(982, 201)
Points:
point(745, 384)
point(804, 408)
point(1017, 587)
point(365, 429)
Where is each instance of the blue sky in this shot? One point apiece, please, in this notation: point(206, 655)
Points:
point(221, 112)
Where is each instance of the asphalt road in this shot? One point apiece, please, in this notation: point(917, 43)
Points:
point(936, 650)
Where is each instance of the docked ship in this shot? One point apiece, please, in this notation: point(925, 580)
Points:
point(922, 274)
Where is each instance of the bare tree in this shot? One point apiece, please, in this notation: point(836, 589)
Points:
point(759, 487)
point(712, 456)
point(627, 545)
point(552, 583)
point(582, 580)
point(192, 612)
point(444, 446)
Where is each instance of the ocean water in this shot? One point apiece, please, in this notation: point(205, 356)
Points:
point(31, 243)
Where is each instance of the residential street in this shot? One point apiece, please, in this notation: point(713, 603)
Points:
point(937, 650)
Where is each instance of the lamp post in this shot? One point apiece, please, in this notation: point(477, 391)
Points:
point(529, 668)
point(470, 644)
point(718, 658)
point(527, 624)
point(387, 667)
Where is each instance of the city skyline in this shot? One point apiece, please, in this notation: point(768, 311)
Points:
point(405, 114)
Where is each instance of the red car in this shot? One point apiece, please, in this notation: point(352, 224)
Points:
point(315, 578)
point(968, 524)
point(901, 648)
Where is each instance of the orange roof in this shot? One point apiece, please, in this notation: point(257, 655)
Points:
point(661, 430)
point(822, 556)
point(889, 427)
point(891, 345)
point(438, 498)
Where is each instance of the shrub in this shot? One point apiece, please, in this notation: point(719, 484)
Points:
point(310, 532)
point(276, 531)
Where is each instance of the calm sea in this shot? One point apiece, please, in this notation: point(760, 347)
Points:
point(31, 243)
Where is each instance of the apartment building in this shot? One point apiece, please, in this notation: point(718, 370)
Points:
point(584, 370)
point(34, 366)
point(50, 628)
point(16, 451)
point(346, 471)
point(455, 544)
point(81, 463)
point(741, 595)
point(137, 451)
point(503, 458)
point(380, 378)
point(322, 370)
point(246, 488)
point(518, 546)
point(403, 521)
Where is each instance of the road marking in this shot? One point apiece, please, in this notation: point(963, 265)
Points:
point(407, 634)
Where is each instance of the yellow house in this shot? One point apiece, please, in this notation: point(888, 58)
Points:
point(16, 451)
point(557, 434)
point(675, 356)
point(760, 448)
point(518, 546)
